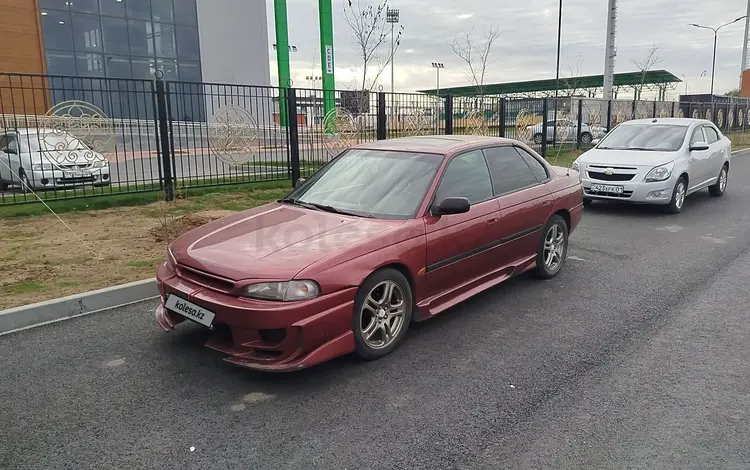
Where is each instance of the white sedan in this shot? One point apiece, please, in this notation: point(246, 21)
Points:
point(49, 159)
point(656, 161)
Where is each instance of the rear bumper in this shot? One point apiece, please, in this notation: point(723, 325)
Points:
point(266, 336)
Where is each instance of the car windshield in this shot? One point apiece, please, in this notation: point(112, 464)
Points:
point(648, 137)
point(371, 183)
point(52, 141)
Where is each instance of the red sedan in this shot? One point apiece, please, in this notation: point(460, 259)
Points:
point(386, 234)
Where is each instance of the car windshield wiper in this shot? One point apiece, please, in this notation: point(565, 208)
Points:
point(323, 207)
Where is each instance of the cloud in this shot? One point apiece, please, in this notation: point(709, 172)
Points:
point(527, 46)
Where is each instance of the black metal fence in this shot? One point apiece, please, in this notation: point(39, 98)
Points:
point(72, 137)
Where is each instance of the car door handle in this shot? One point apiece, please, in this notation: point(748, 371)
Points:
point(492, 220)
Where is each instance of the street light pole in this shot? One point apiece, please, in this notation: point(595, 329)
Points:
point(437, 66)
point(716, 34)
point(392, 17)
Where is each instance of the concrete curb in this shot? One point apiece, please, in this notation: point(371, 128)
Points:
point(42, 313)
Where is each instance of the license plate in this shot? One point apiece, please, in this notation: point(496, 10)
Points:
point(607, 188)
point(189, 310)
point(72, 174)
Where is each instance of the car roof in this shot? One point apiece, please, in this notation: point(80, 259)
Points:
point(440, 144)
point(669, 121)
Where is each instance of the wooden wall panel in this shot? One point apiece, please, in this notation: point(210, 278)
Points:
point(22, 51)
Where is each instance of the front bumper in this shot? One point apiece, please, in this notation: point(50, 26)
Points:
point(637, 192)
point(263, 335)
point(53, 179)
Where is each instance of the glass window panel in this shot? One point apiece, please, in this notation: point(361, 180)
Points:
point(57, 4)
point(509, 170)
point(118, 67)
point(115, 32)
point(141, 40)
point(164, 42)
point(169, 67)
point(185, 12)
point(87, 33)
point(57, 31)
point(467, 176)
point(90, 65)
point(113, 8)
point(189, 71)
point(138, 9)
point(187, 43)
point(143, 67)
point(162, 10)
point(60, 63)
point(85, 6)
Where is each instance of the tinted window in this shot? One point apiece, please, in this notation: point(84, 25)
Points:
point(115, 35)
point(162, 10)
point(112, 8)
point(184, 12)
point(164, 43)
point(139, 9)
point(373, 182)
point(87, 34)
point(189, 71)
point(90, 65)
point(85, 6)
point(118, 67)
point(58, 4)
point(697, 136)
point(509, 171)
point(141, 41)
point(711, 134)
point(661, 137)
point(466, 176)
point(57, 31)
point(187, 43)
point(536, 166)
point(60, 63)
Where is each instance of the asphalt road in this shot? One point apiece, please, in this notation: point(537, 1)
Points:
point(636, 356)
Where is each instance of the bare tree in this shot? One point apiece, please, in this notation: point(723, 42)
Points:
point(371, 32)
point(573, 82)
point(645, 65)
point(475, 53)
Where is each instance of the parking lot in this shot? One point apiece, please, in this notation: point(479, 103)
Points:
point(634, 357)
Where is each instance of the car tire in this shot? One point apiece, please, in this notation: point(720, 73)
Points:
point(555, 232)
point(677, 203)
point(370, 324)
point(586, 138)
point(718, 189)
point(538, 139)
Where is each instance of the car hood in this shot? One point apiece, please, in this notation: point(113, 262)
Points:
point(626, 157)
point(275, 241)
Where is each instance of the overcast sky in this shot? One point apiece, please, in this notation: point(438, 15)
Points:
point(527, 45)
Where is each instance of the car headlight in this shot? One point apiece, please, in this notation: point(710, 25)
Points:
point(660, 173)
point(42, 167)
point(287, 291)
point(575, 166)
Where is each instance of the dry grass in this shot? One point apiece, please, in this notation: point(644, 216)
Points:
point(41, 259)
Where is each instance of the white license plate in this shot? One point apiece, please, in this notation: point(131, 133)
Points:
point(72, 174)
point(189, 310)
point(607, 188)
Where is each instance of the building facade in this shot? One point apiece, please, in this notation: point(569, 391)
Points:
point(190, 41)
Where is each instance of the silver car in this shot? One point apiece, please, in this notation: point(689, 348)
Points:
point(49, 159)
point(567, 131)
point(656, 161)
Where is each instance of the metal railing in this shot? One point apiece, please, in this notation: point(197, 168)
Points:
point(157, 135)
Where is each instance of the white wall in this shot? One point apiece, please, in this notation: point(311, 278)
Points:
point(234, 51)
point(234, 41)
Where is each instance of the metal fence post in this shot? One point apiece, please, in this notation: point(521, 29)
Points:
point(292, 127)
point(673, 103)
point(382, 129)
point(165, 154)
point(544, 128)
point(449, 114)
point(580, 124)
point(632, 110)
point(609, 115)
point(501, 130)
point(655, 116)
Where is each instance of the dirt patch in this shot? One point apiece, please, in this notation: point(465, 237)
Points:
point(43, 258)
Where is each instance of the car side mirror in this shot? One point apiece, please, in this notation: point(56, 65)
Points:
point(9, 150)
point(699, 146)
point(299, 182)
point(595, 142)
point(452, 205)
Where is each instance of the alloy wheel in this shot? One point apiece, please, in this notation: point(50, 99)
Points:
point(723, 179)
point(679, 198)
point(383, 314)
point(554, 247)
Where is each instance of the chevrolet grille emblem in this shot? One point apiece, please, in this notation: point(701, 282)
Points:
point(609, 171)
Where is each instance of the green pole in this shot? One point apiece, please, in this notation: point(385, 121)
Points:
point(282, 56)
point(325, 14)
